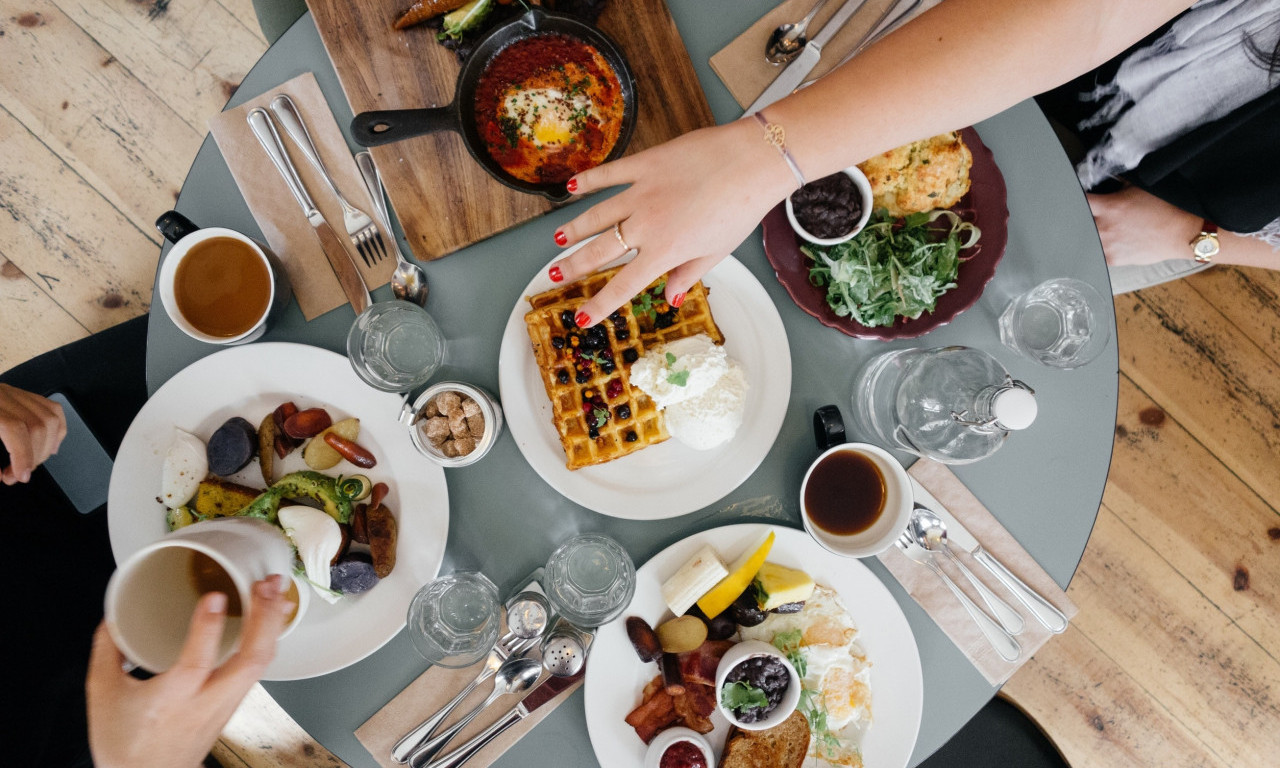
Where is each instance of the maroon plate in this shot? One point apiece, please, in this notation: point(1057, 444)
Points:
point(985, 205)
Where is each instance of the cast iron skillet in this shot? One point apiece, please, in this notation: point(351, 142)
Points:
point(372, 129)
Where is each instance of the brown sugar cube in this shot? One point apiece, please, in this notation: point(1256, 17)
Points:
point(430, 409)
point(458, 425)
point(476, 425)
point(436, 429)
point(448, 402)
point(450, 448)
point(464, 445)
point(470, 407)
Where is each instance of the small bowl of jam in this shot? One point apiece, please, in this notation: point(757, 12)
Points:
point(679, 748)
point(756, 687)
point(831, 210)
point(855, 499)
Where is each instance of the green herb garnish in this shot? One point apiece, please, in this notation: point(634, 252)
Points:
point(644, 304)
point(742, 696)
point(889, 270)
point(671, 359)
point(679, 378)
point(815, 712)
point(601, 414)
point(789, 644)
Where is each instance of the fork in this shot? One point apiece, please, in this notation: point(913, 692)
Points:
point(1001, 640)
point(360, 226)
point(507, 646)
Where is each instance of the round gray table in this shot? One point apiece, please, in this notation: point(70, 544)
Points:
point(1044, 486)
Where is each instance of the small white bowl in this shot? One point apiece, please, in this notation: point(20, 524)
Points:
point(653, 757)
point(898, 503)
point(489, 408)
point(864, 190)
point(740, 653)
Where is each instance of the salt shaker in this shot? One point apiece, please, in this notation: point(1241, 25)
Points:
point(954, 405)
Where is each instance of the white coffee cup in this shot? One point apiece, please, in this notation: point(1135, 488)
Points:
point(893, 516)
point(152, 595)
point(186, 236)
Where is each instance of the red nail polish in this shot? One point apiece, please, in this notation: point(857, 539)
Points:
point(677, 300)
point(561, 238)
point(556, 274)
point(582, 319)
point(571, 185)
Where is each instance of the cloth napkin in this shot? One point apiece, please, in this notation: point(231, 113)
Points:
point(278, 215)
point(431, 691)
point(936, 486)
point(741, 64)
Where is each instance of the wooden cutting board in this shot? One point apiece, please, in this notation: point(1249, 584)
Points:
point(443, 198)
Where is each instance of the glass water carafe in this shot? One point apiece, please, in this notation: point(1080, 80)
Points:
point(950, 404)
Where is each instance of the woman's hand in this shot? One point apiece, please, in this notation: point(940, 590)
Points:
point(174, 718)
point(31, 428)
point(1137, 227)
point(690, 202)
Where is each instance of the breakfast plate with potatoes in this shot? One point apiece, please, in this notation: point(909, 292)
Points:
point(831, 618)
point(249, 383)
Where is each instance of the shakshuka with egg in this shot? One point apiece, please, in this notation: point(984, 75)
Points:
point(548, 107)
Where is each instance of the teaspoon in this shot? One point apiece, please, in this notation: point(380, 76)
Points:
point(931, 532)
point(788, 39)
point(409, 281)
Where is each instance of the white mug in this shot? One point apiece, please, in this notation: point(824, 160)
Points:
point(185, 235)
point(152, 595)
point(894, 515)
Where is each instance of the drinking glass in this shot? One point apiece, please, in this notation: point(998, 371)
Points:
point(395, 346)
point(1060, 323)
point(453, 620)
point(590, 579)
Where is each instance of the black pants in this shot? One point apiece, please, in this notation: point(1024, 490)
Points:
point(57, 560)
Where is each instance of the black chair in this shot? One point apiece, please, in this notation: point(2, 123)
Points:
point(58, 560)
point(1000, 736)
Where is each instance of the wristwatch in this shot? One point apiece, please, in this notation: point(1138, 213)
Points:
point(1205, 245)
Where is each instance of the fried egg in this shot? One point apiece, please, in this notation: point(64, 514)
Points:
point(185, 465)
point(547, 116)
point(835, 668)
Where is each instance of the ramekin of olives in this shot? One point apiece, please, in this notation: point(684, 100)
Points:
point(831, 210)
point(756, 687)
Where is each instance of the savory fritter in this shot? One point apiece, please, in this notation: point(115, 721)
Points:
point(920, 176)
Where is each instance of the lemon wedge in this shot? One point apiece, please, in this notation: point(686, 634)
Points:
point(741, 572)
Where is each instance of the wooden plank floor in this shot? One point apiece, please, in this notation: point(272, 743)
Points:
point(1173, 658)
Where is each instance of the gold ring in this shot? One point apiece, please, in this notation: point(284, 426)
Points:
point(617, 232)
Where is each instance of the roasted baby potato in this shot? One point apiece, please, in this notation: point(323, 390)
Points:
point(319, 455)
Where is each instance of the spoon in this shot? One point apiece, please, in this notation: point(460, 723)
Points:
point(787, 40)
point(931, 532)
point(516, 675)
point(409, 281)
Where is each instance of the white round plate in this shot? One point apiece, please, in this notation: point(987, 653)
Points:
point(616, 676)
point(667, 479)
point(250, 381)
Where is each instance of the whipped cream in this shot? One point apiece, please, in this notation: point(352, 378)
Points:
point(702, 392)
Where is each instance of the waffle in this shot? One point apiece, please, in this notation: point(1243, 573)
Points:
point(597, 413)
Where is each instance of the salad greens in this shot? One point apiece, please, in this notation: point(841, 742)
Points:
point(893, 267)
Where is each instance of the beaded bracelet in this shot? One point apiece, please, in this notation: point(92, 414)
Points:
point(777, 137)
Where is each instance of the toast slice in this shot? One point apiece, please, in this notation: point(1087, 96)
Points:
point(782, 746)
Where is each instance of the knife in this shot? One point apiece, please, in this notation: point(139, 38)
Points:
point(1044, 612)
point(343, 266)
point(790, 78)
point(545, 692)
point(882, 27)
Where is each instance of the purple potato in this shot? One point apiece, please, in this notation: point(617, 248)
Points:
point(231, 448)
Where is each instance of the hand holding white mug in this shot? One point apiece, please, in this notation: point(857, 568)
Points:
point(31, 428)
point(173, 719)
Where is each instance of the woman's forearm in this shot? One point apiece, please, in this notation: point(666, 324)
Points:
point(959, 63)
